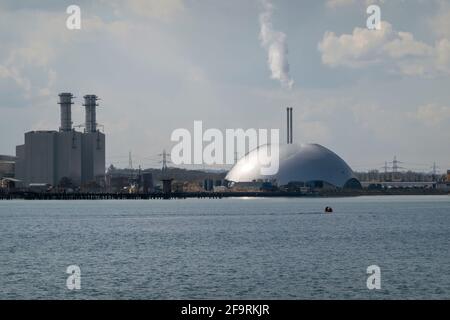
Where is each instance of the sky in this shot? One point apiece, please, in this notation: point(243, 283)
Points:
point(368, 95)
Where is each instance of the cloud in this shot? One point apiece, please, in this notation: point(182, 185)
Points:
point(333, 4)
point(399, 51)
point(432, 114)
point(164, 10)
point(441, 22)
point(24, 60)
point(144, 68)
point(156, 8)
point(32, 53)
point(354, 50)
point(339, 3)
point(275, 43)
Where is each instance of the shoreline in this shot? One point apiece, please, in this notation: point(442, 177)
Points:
point(217, 195)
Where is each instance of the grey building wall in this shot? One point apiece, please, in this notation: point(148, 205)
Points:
point(147, 182)
point(40, 157)
point(93, 157)
point(7, 169)
point(7, 166)
point(68, 155)
point(19, 170)
point(49, 156)
point(7, 158)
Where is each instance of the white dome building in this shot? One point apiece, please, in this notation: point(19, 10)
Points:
point(310, 164)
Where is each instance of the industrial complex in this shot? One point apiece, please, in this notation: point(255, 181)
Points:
point(66, 156)
point(303, 165)
point(69, 161)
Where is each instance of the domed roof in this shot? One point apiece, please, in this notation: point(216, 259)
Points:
point(298, 163)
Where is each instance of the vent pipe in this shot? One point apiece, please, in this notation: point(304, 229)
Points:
point(290, 134)
point(289, 125)
point(90, 102)
point(65, 101)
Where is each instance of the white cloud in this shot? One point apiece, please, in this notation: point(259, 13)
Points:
point(354, 50)
point(405, 45)
point(399, 51)
point(159, 73)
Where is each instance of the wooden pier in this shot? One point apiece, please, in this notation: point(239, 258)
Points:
point(26, 195)
point(141, 196)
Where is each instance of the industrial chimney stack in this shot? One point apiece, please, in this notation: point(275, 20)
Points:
point(289, 125)
point(90, 102)
point(65, 101)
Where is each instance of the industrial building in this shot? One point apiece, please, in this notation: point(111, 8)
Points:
point(129, 180)
point(308, 165)
point(49, 157)
point(7, 165)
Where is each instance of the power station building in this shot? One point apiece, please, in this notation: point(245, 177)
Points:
point(50, 157)
point(309, 165)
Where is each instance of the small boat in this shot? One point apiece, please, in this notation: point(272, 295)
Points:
point(328, 210)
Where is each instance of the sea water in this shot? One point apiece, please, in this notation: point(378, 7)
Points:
point(235, 248)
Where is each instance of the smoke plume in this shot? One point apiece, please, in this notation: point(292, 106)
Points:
point(276, 46)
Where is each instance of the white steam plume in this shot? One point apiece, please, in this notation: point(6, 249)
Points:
point(276, 46)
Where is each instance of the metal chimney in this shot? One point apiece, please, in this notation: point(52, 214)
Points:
point(65, 101)
point(90, 102)
point(287, 126)
point(290, 125)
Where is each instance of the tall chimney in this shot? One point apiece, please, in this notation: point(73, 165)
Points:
point(65, 101)
point(90, 102)
point(290, 125)
point(287, 125)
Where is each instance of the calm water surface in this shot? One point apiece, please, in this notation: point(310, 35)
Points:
point(229, 248)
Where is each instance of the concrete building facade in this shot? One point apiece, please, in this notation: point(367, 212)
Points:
point(47, 157)
point(7, 166)
point(93, 157)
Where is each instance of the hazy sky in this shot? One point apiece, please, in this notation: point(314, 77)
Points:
point(159, 65)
